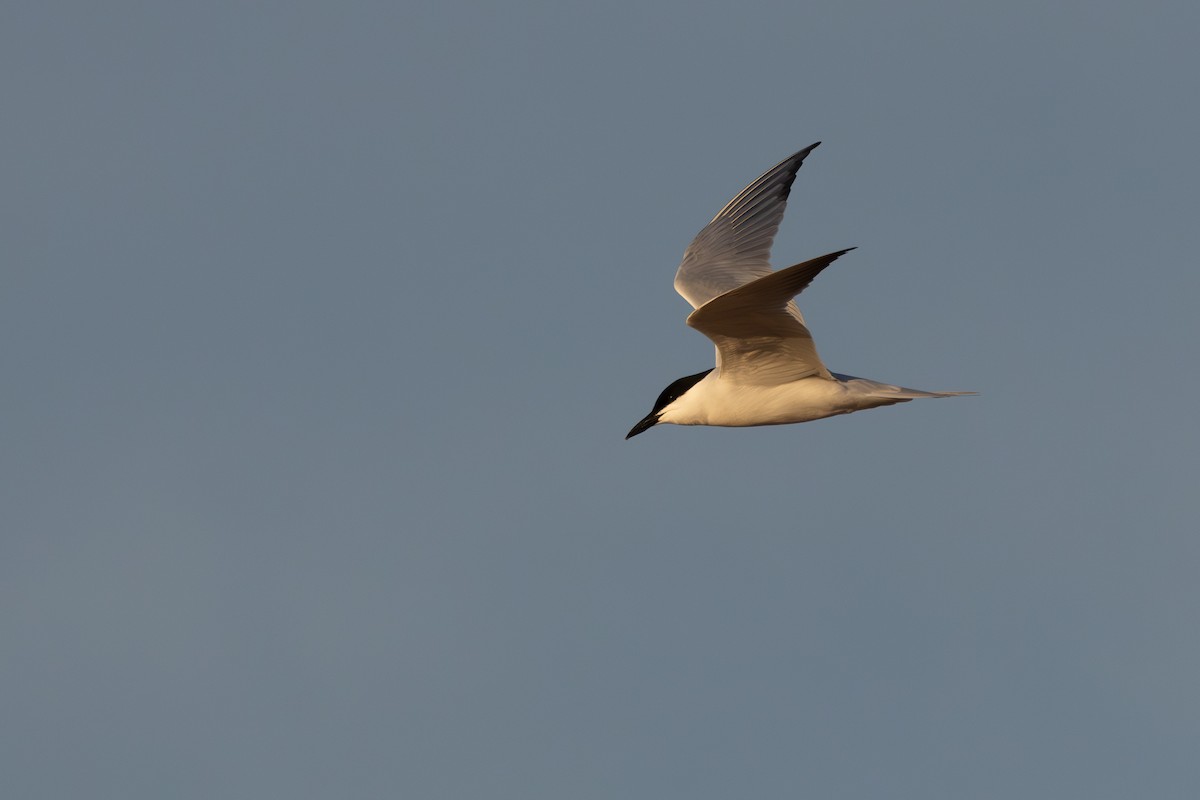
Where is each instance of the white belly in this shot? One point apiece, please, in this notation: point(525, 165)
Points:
point(722, 402)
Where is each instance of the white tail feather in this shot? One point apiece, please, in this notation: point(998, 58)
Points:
point(890, 391)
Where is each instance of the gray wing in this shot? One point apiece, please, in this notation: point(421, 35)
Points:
point(735, 248)
point(758, 337)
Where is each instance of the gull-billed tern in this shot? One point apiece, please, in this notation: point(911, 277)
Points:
point(768, 371)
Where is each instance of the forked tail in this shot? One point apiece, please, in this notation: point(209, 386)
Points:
point(886, 390)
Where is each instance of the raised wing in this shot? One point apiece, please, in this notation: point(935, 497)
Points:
point(735, 248)
point(758, 337)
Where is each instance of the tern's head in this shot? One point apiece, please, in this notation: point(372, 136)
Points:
point(669, 395)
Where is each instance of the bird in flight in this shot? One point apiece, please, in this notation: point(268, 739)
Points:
point(767, 371)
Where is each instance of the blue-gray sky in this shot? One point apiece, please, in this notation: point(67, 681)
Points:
point(321, 326)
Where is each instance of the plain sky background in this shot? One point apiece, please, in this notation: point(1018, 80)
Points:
point(321, 325)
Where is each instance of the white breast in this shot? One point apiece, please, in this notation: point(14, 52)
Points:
point(716, 401)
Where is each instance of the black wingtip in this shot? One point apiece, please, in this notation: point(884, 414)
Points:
point(835, 256)
point(804, 153)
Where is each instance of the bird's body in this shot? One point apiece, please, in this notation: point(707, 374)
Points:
point(767, 371)
point(720, 401)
